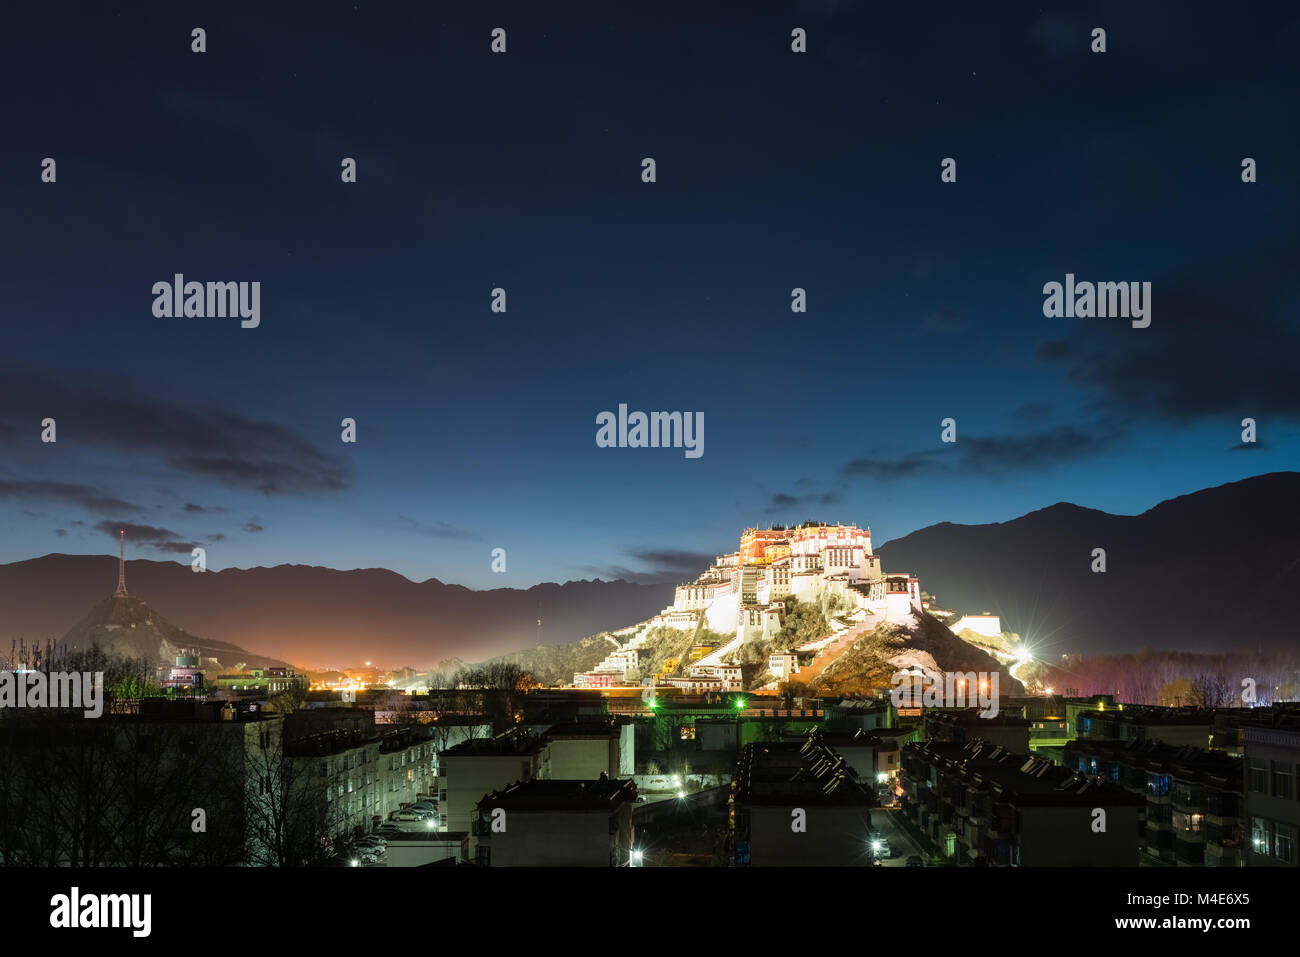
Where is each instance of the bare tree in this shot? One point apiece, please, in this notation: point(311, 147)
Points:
point(292, 819)
point(1209, 690)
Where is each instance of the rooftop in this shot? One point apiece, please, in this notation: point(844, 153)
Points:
point(599, 795)
point(1018, 779)
point(810, 772)
point(506, 743)
point(584, 729)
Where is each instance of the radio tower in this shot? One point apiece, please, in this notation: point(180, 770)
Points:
point(121, 566)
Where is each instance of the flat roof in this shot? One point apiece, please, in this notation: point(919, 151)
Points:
point(553, 795)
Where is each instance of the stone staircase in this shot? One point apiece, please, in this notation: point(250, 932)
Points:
point(825, 656)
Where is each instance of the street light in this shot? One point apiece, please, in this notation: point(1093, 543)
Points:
point(636, 858)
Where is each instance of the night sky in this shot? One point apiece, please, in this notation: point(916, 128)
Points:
point(775, 170)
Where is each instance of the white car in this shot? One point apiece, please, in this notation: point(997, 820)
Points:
point(406, 816)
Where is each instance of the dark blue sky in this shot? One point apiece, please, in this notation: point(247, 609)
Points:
point(522, 170)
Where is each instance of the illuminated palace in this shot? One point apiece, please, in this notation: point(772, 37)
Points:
point(743, 595)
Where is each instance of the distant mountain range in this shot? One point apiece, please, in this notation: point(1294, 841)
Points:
point(314, 617)
point(1214, 570)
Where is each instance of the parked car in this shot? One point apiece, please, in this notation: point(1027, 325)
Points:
point(388, 827)
point(406, 816)
point(914, 861)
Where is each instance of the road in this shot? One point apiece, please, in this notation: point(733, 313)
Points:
point(901, 844)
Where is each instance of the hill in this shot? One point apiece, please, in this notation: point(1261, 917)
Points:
point(556, 664)
point(127, 626)
point(917, 641)
point(1206, 571)
point(318, 617)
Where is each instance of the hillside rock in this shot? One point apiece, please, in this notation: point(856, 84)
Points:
point(917, 641)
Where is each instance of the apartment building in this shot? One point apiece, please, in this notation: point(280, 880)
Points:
point(479, 766)
point(1272, 762)
point(556, 824)
point(1194, 805)
point(798, 804)
point(979, 803)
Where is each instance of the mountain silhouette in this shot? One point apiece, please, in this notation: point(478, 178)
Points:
point(314, 617)
point(1214, 570)
point(1210, 571)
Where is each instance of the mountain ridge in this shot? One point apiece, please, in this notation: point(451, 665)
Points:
point(1207, 570)
point(1033, 570)
point(314, 616)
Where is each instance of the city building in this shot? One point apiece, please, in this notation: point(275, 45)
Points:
point(798, 804)
point(584, 750)
point(1194, 807)
point(960, 725)
point(265, 681)
point(990, 626)
point(979, 803)
point(1272, 759)
point(1142, 722)
point(556, 824)
point(480, 766)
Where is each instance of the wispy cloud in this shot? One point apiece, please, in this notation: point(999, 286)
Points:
point(149, 536)
point(437, 529)
point(992, 454)
point(667, 566)
point(84, 496)
point(228, 448)
point(1222, 341)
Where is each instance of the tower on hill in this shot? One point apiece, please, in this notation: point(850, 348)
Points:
point(121, 565)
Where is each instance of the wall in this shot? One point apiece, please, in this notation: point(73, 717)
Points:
point(836, 836)
point(1063, 837)
point(563, 839)
point(583, 759)
point(467, 778)
point(405, 853)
